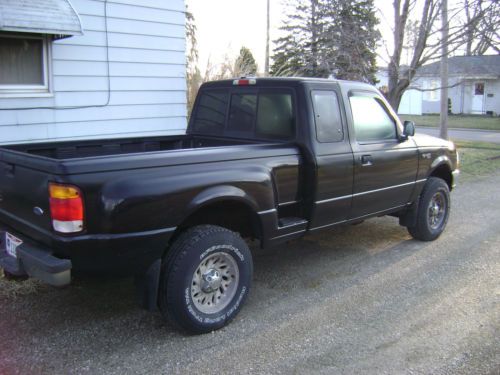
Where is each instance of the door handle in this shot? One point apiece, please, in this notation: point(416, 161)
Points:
point(366, 160)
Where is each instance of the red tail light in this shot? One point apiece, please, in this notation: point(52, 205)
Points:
point(66, 208)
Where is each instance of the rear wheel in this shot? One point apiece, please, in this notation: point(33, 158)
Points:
point(205, 279)
point(432, 211)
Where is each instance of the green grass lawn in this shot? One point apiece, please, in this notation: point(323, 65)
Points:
point(457, 121)
point(478, 159)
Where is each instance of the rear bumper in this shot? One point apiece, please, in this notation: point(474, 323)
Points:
point(117, 254)
point(35, 261)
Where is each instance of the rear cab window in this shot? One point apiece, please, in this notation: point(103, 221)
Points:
point(260, 113)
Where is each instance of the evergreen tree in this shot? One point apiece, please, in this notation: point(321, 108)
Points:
point(328, 37)
point(245, 64)
point(353, 39)
point(299, 52)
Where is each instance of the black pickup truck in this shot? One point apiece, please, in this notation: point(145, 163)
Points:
point(265, 159)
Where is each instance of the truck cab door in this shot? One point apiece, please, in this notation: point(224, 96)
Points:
point(334, 160)
point(385, 164)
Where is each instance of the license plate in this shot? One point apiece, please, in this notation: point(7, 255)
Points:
point(11, 244)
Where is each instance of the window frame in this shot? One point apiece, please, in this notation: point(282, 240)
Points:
point(16, 91)
point(386, 109)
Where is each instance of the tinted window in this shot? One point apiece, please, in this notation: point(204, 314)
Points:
point(211, 112)
point(275, 116)
point(242, 112)
point(371, 120)
point(327, 116)
point(265, 114)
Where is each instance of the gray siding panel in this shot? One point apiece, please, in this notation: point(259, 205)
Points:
point(146, 77)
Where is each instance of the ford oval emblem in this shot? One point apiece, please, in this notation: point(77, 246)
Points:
point(38, 211)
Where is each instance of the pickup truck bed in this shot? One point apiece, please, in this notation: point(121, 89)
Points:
point(83, 149)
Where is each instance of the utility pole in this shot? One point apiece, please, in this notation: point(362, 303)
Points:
point(266, 63)
point(443, 118)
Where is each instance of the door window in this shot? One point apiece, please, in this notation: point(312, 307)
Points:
point(371, 121)
point(479, 89)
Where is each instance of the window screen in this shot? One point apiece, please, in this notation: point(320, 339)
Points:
point(327, 116)
point(21, 61)
point(275, 116)
point(211, 112)
point(371, 121)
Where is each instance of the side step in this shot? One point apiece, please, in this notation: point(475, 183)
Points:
point(295, 222)
point(289, 228)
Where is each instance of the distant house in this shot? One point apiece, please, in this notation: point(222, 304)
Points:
point(474, 86)
point(91, 69)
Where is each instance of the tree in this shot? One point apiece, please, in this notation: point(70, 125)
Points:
point(427, 44)
point(245, 64)
point(193, 75)
point(268, 27)
point(482, 21)
point(328, 37)
point(443, 118)
point(352, 36)
point(298, 52)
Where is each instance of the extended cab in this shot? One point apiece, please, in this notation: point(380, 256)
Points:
point(268, 159)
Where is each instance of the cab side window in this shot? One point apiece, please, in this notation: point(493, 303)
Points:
point(327, 116)
point(372, 123)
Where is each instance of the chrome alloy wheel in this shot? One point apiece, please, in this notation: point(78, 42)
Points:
point(437, 210)
point(214, 283)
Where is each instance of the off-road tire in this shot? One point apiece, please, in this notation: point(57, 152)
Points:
point(202, 252)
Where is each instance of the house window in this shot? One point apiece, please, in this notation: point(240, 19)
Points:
point(23, 65)
point(433, 93)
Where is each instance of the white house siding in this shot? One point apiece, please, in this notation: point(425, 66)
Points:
point(146, 47)
point(411, 102)
point(431, 99)
point(492, 96)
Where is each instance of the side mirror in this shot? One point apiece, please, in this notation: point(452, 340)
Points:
point(409, 129)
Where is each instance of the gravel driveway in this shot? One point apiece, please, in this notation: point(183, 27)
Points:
point(364, 299)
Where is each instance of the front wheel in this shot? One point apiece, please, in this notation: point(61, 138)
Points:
point(432, 211)
point(206, 278)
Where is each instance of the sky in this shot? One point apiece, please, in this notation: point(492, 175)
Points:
point(224, 26)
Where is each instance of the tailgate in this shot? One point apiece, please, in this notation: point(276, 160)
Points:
point(24, 202)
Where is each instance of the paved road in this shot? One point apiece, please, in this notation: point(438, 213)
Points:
point(363, 299)
point(465, 135)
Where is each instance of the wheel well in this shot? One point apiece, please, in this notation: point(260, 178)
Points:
point(233, 215)
point(443, 172)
